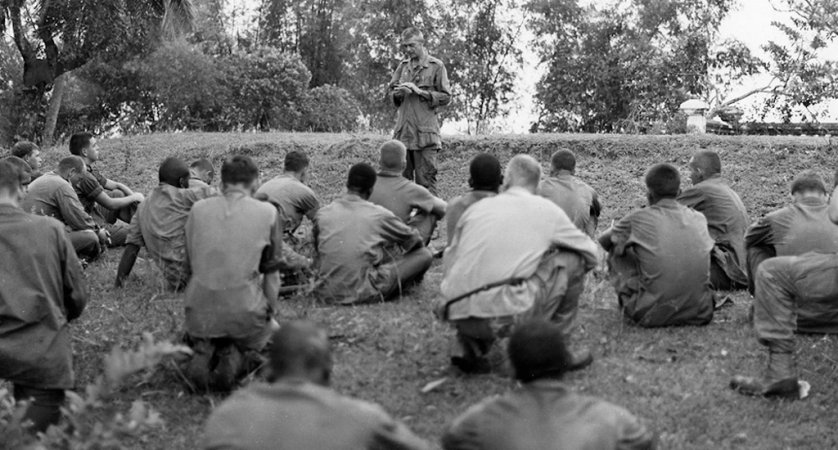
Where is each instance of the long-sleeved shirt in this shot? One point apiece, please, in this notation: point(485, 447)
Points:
point(545, 415)
point(575, 198)
point(295, 414)
point(669, 247)
point(159, 226)
point(400, 195)
point(231, 240)
point(294, 198)
point(53, 196)
point(795, 229)
point(41, 289)
point(458, 206)
point(417, 125)
point(504, 237)
point(727, 221)
point(354, 236)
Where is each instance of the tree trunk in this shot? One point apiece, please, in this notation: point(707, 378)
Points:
point(54, 108)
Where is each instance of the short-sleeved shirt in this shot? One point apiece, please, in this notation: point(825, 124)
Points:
point(727, 219)
point(417, 125)
point(501, 238)
point(353, 237)
point(459, 205)
point(42, 288)
point(543, 415)
point(294, 414)
point(88, 186)
point(575, 198)
point(400, 195)
point(231, 240)
point(796, 229)
point(670, 281)
point(159, 226)
point(294, 198)
point(53, 196)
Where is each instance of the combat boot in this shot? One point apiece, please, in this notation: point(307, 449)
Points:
point(780, 379)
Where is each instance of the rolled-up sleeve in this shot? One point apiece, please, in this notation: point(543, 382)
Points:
point(441, 95)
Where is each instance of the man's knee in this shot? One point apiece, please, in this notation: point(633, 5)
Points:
point(86, 244)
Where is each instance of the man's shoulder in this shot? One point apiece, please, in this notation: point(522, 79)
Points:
point(435, 61)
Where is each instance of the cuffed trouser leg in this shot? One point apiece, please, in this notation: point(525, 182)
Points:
point(85, 243)
point(44, 408)
point(424, 223)
point(421, 167)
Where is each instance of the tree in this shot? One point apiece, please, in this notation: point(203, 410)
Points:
point(58, 36)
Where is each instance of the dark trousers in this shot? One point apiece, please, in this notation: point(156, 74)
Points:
point(425, 224)
point(421, 168)
point(85, 243)
point(44, 406)
point(116, 220)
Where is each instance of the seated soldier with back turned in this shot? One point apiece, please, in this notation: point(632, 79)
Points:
point(726, 217)
point(571, 194)
point(659, 258)
point(201, 174)
point(111, 204)
point(294, 200)
point(52, 195)
point(543, 413)
point(792, 294)
point(410, 202)
point(485, 178)
point(30, 153)
point(801, 227)
point(514, 256)
point(159, 225)
point(364, 252)
point(42, 289)
point(298, 410)
point(233, 245)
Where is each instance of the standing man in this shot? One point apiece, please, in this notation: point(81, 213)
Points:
point(42, 289)
point(30, 153)
point(418, 87)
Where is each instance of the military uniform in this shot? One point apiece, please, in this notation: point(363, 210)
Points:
point(410, 202)
point(575, 198)
point(417, 125)
point(88, 187)
point(458, 206)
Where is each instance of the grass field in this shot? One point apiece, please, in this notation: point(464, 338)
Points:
point(674, 378)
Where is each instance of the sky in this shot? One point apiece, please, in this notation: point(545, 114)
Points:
point(750, 23)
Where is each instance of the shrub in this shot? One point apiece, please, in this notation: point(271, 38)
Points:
point(330, 108)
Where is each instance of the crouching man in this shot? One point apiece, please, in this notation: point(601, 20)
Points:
point(513, 256)
point(233, 245)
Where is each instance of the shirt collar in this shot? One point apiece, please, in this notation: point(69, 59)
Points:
point(352, 197)
point(812, 201)
point(235, 191)
point(422, 61)
point(547, 383)
point(517, 191)
point(715, 178)
point(6, 209)
point(389, 173)
point(667, 203)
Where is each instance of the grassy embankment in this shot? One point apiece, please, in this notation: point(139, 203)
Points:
point(675, 378)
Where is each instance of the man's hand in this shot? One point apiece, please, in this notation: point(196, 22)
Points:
point(411, 87)
point(137, 197)
point(104, 237)
point(401, 90)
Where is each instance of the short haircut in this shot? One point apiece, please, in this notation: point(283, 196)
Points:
point(203, 164)
point(808, 181)
point(709, 161)
point(361, 177)
point(485, 172)
point(11, 177)
point(71, 162)
point(523, 170)
point(23, 167)
point(412, 33)
point(299, 345)
point(295, 161)
point(79, 142)
point(23, 149)
point(663, 180)
point(537, 350)
point(392, 153)
point(563, 159)
point(172, 171)
point(239, 169)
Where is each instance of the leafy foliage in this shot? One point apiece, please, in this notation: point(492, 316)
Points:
point(330, 108)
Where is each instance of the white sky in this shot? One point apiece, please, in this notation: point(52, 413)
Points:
point(749, 23)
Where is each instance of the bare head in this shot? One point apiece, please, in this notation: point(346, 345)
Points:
point(662, 181)
point(240, 171)
point(808, 184)
point(703, 165)
point(300, 349)
point(361, 180)
point(85, 145)
point(523, 171)
point(296, 163)
point(393, 156)
point(174, 172)
point(12, 180)
point(71, 168)
point(413, 43)
point(28, 152)
point(23, 167)
point(202, 169)
point(563, 161)
point(537, 350)
point(485, 173)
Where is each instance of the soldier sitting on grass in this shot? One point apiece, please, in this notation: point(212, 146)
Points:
point(201, 174)
point(485, 178)
point(571, 194)
point(659, 258)
point(298, 410)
